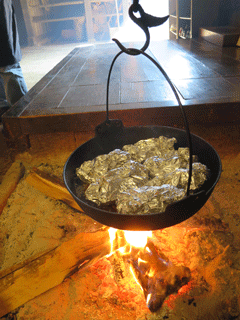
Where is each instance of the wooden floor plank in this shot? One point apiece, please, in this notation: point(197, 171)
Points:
point(180, 64)
point(209, 88)
point(223, 61)
point(74, 91)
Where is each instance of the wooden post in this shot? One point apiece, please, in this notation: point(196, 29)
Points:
point(89, 21)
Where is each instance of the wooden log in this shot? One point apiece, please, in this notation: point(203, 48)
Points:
point(27, 280)
point(158, 277)
point(51, 186)
point(10, 182)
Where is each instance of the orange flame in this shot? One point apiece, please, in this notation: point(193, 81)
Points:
point(112, 234)
point(136, 239)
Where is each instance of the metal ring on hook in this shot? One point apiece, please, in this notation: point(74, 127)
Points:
point(141, 23)
point(144, 22)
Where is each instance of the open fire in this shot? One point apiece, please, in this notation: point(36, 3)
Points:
point(157, 276)
point(104, 288)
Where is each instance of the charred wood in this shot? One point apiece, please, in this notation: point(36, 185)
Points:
point(158, 277)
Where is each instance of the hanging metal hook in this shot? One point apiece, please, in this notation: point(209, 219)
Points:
point(135, 5)
point(145, 21)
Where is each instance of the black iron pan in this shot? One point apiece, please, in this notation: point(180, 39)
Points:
point(119, 136)
point(111, 135)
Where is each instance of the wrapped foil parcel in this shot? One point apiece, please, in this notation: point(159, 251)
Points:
point(142, 178)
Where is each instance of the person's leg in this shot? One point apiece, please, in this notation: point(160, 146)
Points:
point(2, 91)
point(4, 106)
point(14, 83)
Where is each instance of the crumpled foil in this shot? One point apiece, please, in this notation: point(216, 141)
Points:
point(179, 177)
point(145, 149)
point(142, 178)
point(158, 165)
point(132, 174)
point(90, 171)
point(148, 199)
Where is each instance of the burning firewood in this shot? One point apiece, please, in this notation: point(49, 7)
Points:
point(158, 277)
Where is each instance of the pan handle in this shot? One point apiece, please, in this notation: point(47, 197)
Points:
point(175, 93)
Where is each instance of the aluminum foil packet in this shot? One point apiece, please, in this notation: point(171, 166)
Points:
point(148, 199)
point(105, 189)
point(179, 177)
point(142, 178)
point(183, 154)
point(157, 165)
point(90, 171)
point(200, 174)
point(144, 149)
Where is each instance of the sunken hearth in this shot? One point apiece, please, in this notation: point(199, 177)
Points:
point(57, 263)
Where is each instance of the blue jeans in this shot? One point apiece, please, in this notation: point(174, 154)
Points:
point(14, 84)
